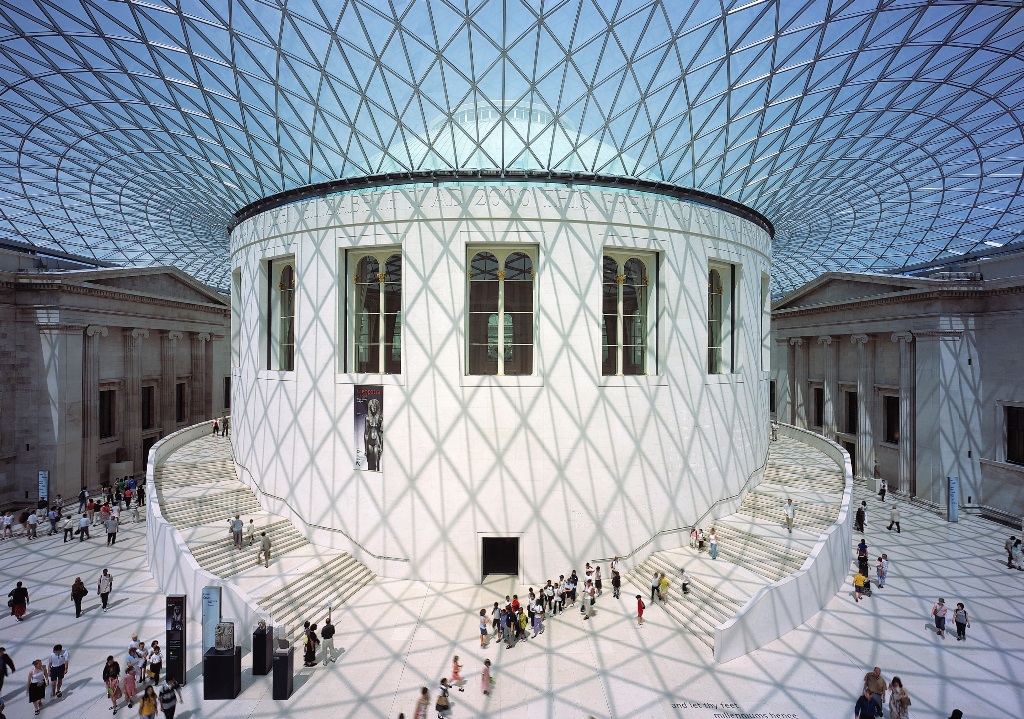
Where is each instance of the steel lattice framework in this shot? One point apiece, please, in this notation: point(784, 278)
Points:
point(875, 135)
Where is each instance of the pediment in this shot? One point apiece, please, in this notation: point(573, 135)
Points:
point(834, 288)
point(168, 284)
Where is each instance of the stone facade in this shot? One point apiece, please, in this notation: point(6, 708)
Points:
point(68, 338)
point(914, 373)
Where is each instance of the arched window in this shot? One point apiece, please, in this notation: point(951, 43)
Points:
point(500, 332)
point(286, 324)
point(715, 289)
point(377, 315)
point(625, 298)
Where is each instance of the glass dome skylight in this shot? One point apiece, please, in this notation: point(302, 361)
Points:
point(873, 135)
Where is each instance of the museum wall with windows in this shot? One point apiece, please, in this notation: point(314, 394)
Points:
point(553, 360)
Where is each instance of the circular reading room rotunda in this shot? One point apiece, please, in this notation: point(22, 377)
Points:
point(453, 373)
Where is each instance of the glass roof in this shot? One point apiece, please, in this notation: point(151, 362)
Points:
point(874, 135)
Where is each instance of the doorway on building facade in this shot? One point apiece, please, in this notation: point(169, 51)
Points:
point(851, 449)
point(147, 444)
point(500, 555)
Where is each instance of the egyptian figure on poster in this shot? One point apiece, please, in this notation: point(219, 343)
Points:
point(373, 435)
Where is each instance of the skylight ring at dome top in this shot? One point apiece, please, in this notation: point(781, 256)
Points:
point(771, 104)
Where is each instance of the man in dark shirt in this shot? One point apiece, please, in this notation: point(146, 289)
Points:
point(867, 706)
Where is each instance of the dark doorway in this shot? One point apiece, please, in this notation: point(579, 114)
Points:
point(500, 555)
point(851, 448)
point(147, 444)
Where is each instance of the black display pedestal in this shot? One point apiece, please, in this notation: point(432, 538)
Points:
point(262, 651)
point(222, 674)
point(284, 673)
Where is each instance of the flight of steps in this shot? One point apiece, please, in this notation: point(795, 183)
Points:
point(211, 507)
point(221, 558)
point(306, 598)
point(700, 611)
point(192, 474)
point(810, 476)
point(769, 507)
point(759, 554)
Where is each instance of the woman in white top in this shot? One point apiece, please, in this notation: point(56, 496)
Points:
point(713, 541)
point(37, 681)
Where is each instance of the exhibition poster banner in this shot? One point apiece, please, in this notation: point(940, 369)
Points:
point(211, 616)
point(175, 640)
point(368, 424)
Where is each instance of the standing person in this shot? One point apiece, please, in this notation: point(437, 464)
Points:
point(37, 682)
point(663, 588)
point(684, 580)
point(899, 700)
point(5, 663)
point(131, 685)
point(538, 617)
point(58, 664)
point(169, 696)
point(112, 680)
point(876, 684)
point(148, 703)
point(962, 621)
point(135, 660)
point(83, 498)
point(640, 606)
point(597, 579)
point(1008, 546)
point(225, 426)
point(483, 628)
point(33, 524)
point(236, 531)
point(310, 641)
point(858, 520)
point(885, 566)
point(790, 514)
point(83, 528)
point(8, 532)
point(496, 619)
point(882, 488)
point(90, 511)
point(859, 580)
point(700, 540)
point(251, 532)
point(327, 634)
point(939, 612)
point(867, 707)
point(264, 550)
point(614, 566)
point(19, 601)
point(457, 680)
point(775, 430)
point(713, 543)
point(105, 586)
point(156, 663)
point(616, 585)
point(880, 573)
point(864, 522)
point(485, 677)
point(894, 518)
point(54, 516)
point(111, 525)
point(422, 704)
point(655, 581)
point(216, 427)
point(69, 528)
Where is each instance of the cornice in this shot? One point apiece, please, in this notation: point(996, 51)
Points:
point(116, 295)
point(901, 298)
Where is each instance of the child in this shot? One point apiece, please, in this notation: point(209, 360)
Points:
point(483, 628)
point(485, 678)
point(457, 680)
point(129, 685)
point(616, 585)
point(640, 606)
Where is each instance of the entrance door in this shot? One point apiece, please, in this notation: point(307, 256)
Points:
point(500, 555)
point(147, 444)
point(851, 448)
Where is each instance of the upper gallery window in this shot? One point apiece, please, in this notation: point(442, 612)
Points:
point(376, 318)
point(281, 314)
point(721, 281)
point(625, 316)
point(500, 332)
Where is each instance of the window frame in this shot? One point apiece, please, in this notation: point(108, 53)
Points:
point(1013, 446)
point(890, 430)
point(154, 407)
point(728, 276)
point(501, 254)
point(108, 413)
point(650, 262)
point(277, 359)
point(350, 337)
point(181, 402)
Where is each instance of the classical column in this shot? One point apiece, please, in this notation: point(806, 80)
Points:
point(830, 364)
point(91, 405)
point(58, 443)
point(199, 409)
point(783, 402)
point(133, 395)
point(168, 378)
point(799, 381)
point(907, 377)
point(865, 345)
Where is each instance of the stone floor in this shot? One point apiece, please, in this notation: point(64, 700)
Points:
point(397, 636)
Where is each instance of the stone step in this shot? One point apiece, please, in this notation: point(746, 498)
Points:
point(689, 620)
point(760, 545)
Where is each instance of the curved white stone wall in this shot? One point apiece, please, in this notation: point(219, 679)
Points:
point(577, 465)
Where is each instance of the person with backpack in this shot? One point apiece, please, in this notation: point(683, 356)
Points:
point(78, 593)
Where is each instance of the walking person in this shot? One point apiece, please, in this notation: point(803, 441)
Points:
point(485, 678)
point(457, 680)
point(69, 528)
point(684, 580)
point(5, 663)
point(78, 592)
point(111, 526)
point(939, 612)
point(880, 573)
point(83, 528)
point(883, 487)
point(105, 586)
point(131, 685)
point(663, 588)
point(875, 683)
point(216, 427)
point(867, 707)
point(616, 585)
point(1008, 546)
point(37, 681)
point(58, 664)
point(33, 524)
point(236, 531)
point(327, 635)
point(443, 705)
point(148, 703)
point(18, 601)
point(790, 514)
point(83, 499)
point(655, 581)
point(899, 700)
point(250, 532)
point(962, 621)
point(775, 431)
point(225, 426)
point(859, 582)
point(713, 543)
point(483, 628)
point(156, 663)
point(640, 606)
point(264, 550)
point(894, 519)
point(169, 696)
point(422, 704)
